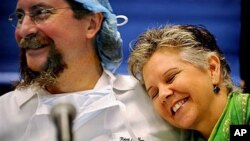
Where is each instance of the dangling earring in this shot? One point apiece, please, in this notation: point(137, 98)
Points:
point(216, 89)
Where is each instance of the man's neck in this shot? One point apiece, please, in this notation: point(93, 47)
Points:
point(73, 80)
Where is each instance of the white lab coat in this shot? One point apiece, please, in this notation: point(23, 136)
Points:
point(119, 111)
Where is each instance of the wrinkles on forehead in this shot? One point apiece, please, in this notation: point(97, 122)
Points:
point(31, 4)
point(34, 7)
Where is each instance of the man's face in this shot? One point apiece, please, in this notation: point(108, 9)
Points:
point(49, 36)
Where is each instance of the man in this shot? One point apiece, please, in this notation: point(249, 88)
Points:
point(67, 49)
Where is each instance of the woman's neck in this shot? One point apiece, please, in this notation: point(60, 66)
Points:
point(213, 114)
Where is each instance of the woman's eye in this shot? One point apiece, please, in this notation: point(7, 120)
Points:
point(153, 93)
point(154, 96)
point(170, 78)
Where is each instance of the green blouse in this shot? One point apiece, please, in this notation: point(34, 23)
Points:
point(236, 112)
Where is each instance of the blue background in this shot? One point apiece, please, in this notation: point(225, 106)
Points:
point(221, 17)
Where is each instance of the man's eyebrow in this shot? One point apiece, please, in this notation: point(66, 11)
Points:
point(19, 10)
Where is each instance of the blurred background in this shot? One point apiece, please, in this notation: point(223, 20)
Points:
point(221, 17)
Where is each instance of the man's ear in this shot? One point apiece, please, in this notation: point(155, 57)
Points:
point(214, 68)
point(95, 23)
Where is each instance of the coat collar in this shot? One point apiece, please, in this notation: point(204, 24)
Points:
point(119, 82)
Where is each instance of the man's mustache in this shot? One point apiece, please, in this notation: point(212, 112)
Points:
point(33, 42)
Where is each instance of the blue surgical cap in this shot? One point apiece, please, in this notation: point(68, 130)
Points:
point(109, 42)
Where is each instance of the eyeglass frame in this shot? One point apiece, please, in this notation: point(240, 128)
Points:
point(34, 16)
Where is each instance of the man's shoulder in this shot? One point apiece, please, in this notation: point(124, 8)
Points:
point(7, 99)
point(18, 96)
point(129, 90)
point(140, 112)
point(7, 95)
point(126, 82)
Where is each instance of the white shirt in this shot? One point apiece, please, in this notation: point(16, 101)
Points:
point(117, 109)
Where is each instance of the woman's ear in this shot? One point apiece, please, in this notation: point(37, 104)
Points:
point(95, 23)
point(214, 68)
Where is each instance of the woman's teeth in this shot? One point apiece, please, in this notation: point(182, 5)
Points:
point(177, 106)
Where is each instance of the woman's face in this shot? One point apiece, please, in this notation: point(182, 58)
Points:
point(181, 92)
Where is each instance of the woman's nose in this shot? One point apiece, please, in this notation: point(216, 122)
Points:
point(165, 93)
point(27, 27)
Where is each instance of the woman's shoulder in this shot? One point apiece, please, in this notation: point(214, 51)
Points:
point(241, 102)
point(239, 96)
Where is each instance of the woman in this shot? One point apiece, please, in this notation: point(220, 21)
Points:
point(188, 79)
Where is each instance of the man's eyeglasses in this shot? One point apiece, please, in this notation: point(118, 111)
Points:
point(38, 15)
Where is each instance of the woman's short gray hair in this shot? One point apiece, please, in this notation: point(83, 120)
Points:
point(195, 43)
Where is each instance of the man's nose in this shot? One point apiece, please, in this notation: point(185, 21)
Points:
point(27, 27)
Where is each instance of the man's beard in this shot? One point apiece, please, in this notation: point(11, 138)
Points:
point(50, 71)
